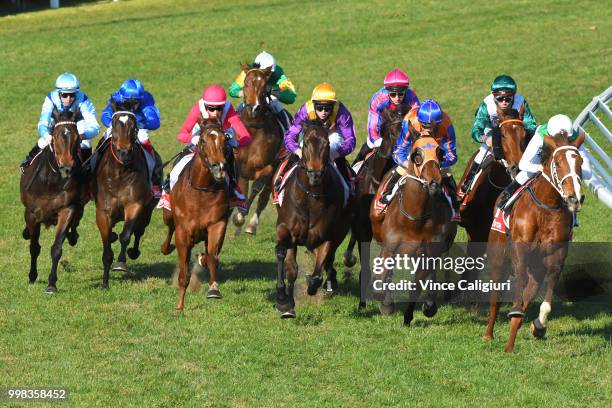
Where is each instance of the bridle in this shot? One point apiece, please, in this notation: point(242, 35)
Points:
point(112, 147)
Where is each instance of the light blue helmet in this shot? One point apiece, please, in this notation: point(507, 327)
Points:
point(132, 89)
point(428, 111)
point(68, 83)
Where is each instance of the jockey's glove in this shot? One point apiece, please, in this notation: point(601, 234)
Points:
point(194, 140)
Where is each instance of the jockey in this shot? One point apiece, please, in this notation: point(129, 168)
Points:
point(147, 118)
point(66, 96)
point(324, 109)
point(503, 96)
point(280, 87)
point(427, 119)
point(531, 161)
point(394, 94)
point(213, 105)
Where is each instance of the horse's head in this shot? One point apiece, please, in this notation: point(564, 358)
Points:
point(508, 139)
point(211, 147)
point(65, 140)
point(124, 130)
point(562, 164)
point(315, 153)
point(425, 160)
point(255, 88)
point(390, 129)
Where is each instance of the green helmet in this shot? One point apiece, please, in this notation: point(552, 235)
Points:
point(503, 83)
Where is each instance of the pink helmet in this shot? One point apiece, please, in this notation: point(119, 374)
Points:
point(396, 78)
point(214, 95)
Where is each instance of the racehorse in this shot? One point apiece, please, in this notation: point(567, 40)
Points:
point(370, 175)
point(200, 208)
point(52, 193)
point(257, 161)
point(121, 189)
point(417, 222)
point(508, 142)
point(312, 214)
point(540, 229)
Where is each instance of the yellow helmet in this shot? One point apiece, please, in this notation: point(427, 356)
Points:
point(324, 92)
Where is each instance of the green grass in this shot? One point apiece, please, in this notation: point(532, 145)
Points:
point(126, 346)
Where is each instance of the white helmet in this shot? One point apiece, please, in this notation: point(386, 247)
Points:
point(265, 60)
point(558, 123)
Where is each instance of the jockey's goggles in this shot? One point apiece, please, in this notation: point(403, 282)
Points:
point(214, 108)
point(324, 107)
point(67, 94)
point(504, 98)
point(397, 94)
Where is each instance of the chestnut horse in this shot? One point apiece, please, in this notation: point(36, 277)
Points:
point(257, 161)
point(509, 141)
point(417, 221)
point(200, 208)
point(370, 175)
point(313, 215)
point(540, 229)
point(121, 189)
point(51, 192)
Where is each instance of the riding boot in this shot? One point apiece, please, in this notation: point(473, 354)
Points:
point(294, 158)
point(237, 199)
point(469, 178)
point(507, 193)
point(450, 184)
point(365, 149)
point(345, 171)
point(26, 162)
point(284, 118)
point(385, 195)
point(157, 174)
point(85, 155)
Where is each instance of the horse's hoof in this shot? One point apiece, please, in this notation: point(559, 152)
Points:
point(25, 233)
point(133, 253)
point(167, 250)
point(385, 309)
point(213, 294)
point(119, 266)
point(537, 329)
point(487, 337)
point(289, 314)
point(430, 309)
point(516, 313)
point(349, 259)
point(113, 237)
point(31, 281)
point(238, 219)
point(105, 286)
point(51, 290)
point(72, 238)
point(361, 306)
point(313, 284)
point(406, 322)
point(251, 230)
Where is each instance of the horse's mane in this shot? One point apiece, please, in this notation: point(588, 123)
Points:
point(512, 114)
point(562, 138)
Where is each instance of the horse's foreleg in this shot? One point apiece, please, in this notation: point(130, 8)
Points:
point(167, 246)
point(349, 257)
point(131, 214)
point(105, 227)
point(364, 272)
point(315, 280)
point(216, 235)
point(72, 235)
point(184, 244)
point(262, 202)
point(64, 220)
point(33, 229)
point(238, 217)
point(525, 288)
point(428, 309)
point(292, 273)
point(553, 266)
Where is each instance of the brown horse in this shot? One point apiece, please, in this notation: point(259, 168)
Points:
point(540, 229)
point(121, 189)
point(200, 208)
point(370, 175)
point(417, 222)
point(312, 214)
point(509, 141)
point(257, 161)
point(51, 191)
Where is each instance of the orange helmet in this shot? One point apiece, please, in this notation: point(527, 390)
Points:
point(324, 92)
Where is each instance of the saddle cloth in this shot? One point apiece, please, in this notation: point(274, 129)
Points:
point(357, 166)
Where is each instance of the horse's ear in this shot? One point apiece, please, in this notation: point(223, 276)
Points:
point(268, 72)
point(113, 104)
point(76, 116)
point(245, 68)
point(55, 114)
point(521, 111)
point(579, 140)
point(550, 143)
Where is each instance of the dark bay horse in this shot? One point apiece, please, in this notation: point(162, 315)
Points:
point(370, 175)
point(121, 189)
point(540, 228)
point(200, 208)
point(313, 215)
point(52, 193)
point(417, 221)
point(259, 160)
point(509, 141)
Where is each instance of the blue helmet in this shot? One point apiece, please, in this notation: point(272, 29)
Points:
point(428, 111)
point(68, 83)
point(132, 89)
